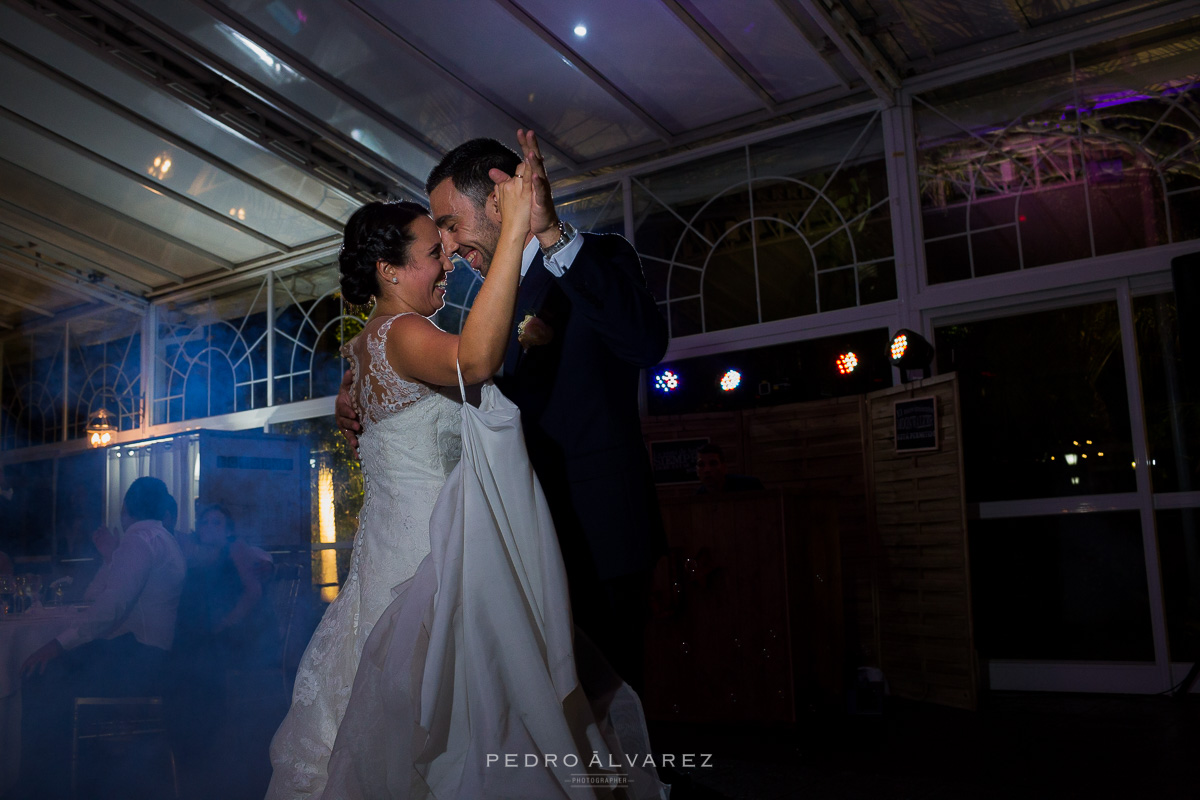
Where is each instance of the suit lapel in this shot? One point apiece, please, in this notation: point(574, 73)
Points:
point(534, 285)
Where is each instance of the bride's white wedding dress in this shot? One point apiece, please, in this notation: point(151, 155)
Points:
point(409, 444)
point(468, 685)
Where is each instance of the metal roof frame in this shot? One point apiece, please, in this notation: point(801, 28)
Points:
point(580, 63)
point(142, 49)
point(549, 144)
point(87, 92)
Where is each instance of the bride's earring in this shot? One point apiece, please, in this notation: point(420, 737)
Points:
point(395, 280)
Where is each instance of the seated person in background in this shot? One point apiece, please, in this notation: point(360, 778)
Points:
point(710, 469)
point(224, 602)
point(117, 648)
point(226, 622)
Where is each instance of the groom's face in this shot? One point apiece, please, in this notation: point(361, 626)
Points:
point(467, 230)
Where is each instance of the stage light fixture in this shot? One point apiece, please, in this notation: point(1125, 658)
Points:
point(666, 381)
point(731, 380)
point(846, 363)
point(909, 350)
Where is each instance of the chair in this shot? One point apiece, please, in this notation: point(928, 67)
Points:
point(120, 721)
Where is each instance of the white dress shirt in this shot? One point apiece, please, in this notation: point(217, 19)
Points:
point(140, 594)
point(557, 264)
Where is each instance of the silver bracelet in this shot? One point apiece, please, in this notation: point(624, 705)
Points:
point(566, 235)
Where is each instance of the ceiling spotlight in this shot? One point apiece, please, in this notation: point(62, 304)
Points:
point(731, 380)
point(160, 167)
point(909, 350)
point(666, 381)
point(581, 30)
point(846, 363)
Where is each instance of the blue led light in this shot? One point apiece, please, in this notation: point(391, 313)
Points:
point(666, 381)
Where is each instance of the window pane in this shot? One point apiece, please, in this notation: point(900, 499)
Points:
point(1045, 412)
point(1172, 418)
point(777, 230)
point(1179, 559)
point(1069, 587)
point(1077, 156)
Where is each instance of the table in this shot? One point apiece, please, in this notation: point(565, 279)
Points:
point(20, 636)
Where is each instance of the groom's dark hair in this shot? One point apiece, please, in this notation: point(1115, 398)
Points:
point(467, 168)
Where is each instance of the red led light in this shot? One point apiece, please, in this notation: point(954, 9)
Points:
point(846, 363)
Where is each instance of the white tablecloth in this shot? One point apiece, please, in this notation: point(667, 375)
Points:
point(20, 636)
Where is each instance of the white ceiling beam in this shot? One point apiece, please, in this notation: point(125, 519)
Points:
point(137, 45)
point(549, 144)
point(730, 60)
point(868, 62)
point(302, 66)
point(244, 272)
point(151, 33)
point(122, 218)
point(141, 180)
point(94, 269)
point(1057, 39)
point(82, 89)
point(25, 304)
point(50, 274)
point(83, 238)
point(815, 120)
point(579, 63)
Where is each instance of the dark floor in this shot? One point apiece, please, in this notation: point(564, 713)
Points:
point(1020, 745)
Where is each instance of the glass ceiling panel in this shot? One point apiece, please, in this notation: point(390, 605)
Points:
point(488, 48)
point(173, 115)
point(367, 59)
point(51, 201)
point(260, 65)
point(652, 57)
point(783, 60)
point(54, 107)
point(91, 180)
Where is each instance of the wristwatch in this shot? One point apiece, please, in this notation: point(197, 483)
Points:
point(566, 235)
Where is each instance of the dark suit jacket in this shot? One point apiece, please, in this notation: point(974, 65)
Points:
point(578, 400)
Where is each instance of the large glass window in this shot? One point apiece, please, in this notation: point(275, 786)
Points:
point(1044, 404)
point(42, 395)
point(1172, 406)
point(1068, 587)
point(1179, 560)
point(771, 231)
point(1069, 158)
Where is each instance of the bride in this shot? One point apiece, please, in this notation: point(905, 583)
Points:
point(456, 600)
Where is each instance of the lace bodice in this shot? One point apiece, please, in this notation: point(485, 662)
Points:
point(379, 391)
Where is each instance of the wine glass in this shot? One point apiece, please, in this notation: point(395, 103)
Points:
point(33, 589)
point(8, 594)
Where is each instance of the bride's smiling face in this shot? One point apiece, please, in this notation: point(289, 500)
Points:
point(421, 283)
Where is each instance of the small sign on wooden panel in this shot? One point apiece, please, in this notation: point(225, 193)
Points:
point(674, 461)
point(916, 424)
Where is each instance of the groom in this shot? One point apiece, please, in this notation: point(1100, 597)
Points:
point(586, 324)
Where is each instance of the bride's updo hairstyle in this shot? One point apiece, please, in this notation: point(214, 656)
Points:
point(376, 232)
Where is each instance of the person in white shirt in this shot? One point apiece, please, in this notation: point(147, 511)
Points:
point(118, 646)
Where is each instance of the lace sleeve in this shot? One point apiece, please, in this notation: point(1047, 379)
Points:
point(380, 392)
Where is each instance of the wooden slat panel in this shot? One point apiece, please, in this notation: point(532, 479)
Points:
point(926, 641)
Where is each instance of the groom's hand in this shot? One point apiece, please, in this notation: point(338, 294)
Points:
point(543, 219)
point(343, 410)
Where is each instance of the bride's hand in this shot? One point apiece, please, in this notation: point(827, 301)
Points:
point(513, 196)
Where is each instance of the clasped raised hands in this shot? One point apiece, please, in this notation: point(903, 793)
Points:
point(533, 187)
